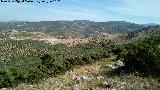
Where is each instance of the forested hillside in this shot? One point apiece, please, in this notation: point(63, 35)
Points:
point(147, 31)
point(83, 27)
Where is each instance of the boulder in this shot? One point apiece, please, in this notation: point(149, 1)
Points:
point(117, 64)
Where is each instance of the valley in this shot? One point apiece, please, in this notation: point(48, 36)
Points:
point(79, 55)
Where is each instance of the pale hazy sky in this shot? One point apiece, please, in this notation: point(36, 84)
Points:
point(137, 11)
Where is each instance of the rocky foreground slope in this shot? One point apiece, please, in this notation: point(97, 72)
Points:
point(94, 77)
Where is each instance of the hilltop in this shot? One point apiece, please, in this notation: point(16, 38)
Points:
point(66, 28)
point(144, 32)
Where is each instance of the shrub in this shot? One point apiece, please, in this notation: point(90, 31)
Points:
point(15, 71)
point(47, 60)
point(5, 79)
point(37, 65)
point(143, 55)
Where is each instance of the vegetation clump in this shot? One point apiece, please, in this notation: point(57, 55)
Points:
point(142, 55)
point(33, 66)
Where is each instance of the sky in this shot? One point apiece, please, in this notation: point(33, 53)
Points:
point(136, 11)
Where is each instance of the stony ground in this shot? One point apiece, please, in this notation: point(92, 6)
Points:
point(94, 77)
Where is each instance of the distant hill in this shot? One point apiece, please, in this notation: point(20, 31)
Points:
point(149, 24)
point(147, 31)
point(83, 27)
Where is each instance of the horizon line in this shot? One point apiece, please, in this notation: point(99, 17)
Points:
point(14, 21)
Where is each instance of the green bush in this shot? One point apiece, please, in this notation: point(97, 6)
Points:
point(143, 55)
point(15, 71)
point(48, 60)
point(5, 79)
point(51, 61)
